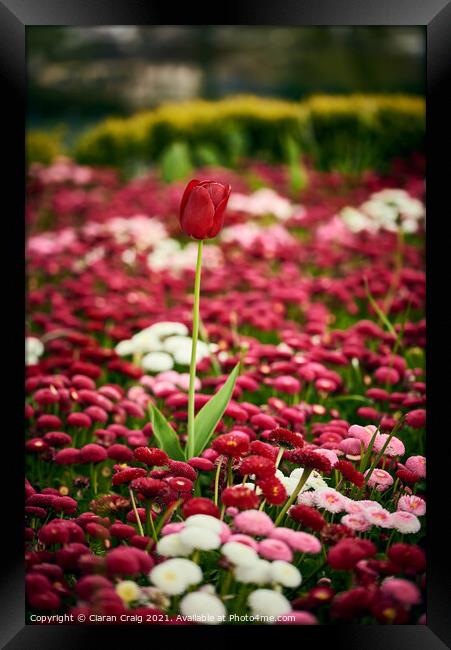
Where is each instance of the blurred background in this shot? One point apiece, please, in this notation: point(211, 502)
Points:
point(76, 76)
point(177, 97)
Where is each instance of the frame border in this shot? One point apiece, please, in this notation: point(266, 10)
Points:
point(15, 16)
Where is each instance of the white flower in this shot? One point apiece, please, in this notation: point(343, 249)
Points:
point(257, 572)
point(203, 607)
point(157, 362)
point(239, 553)
point(314, 481)
point(174, 576)
point(128, 590)
point(146, 341)
point(268, 603)
point(180, 348)
point(354, 219)
point(34, 349)
point(204, 521)
point(125, 348)
point(163, 329)
point(172, 546)
point(285, 574)
point(200, 538)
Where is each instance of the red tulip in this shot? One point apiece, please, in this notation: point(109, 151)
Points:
point(202, 208)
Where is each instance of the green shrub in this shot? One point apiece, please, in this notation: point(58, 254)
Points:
point(349, 133)
point(43, 147)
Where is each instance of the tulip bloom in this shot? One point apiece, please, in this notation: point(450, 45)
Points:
point(202, 208)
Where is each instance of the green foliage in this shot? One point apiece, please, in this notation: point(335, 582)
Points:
point(208, 417)
point(175, 162)
point(348, 133)
point(165, 435)
point(43, 147)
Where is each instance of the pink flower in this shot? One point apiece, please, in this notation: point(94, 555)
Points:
point(330, 500)
point(379, 479)
point(254, 522)
point(417, 465)
point(305, 543)
point(394, 448)
point(350, 446)
point(354, 507)
point(401, 590)
point(275, 549)
point(364, 434)
point(175, 527)
point(307, 498)
point(379, 517)
point(412, 503)
point(287, 384)
point(405, 522)
point(297, 540)
point(225, 533)
point(244, 539)
point(329, 454)
point(357, 522)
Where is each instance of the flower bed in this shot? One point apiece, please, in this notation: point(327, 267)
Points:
point(307, 504)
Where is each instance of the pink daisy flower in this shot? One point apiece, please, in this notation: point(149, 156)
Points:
point(405, 522)
point(244, 539)
point(329, 454)
point(275, 549)
point(254, 522)
point(357, 522)
point(307, 498)
point(330, 500)
point(225, 533)
point(350, 446)
point(394, 448)
point(354, 507)
point(369, 503)
point(364, 434)
point(169, 529)
point(379, 517)
point(379, 479)
point(412, 503)
point(297, 540)
point(401, 590)
point(417, 465)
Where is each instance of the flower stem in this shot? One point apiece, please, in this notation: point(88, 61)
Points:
point(192, 368)
point(135, 510)
point(218, 472)
point(302, 481)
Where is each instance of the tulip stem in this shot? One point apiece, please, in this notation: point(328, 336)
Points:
point(192, 368)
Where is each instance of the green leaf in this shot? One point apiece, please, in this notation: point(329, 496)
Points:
point(165, 435)
point(208, 417)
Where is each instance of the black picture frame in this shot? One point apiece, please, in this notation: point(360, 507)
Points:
point(15, 16)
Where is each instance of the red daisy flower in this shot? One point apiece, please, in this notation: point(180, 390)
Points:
point(312, 460)
point(259, 466)
point(307, 516)
point(273, 490)
point(231, 444)
point(241, 497)
point(350, 473)
point(286, 438)
point(127, 475)
point(151, 456)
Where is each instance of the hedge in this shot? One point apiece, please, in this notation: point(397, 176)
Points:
point(350, 133)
